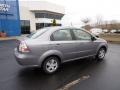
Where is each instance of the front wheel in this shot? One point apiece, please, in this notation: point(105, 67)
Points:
point(101, 54)
point(51, 65)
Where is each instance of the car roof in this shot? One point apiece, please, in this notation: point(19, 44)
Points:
point(62, 27)
point(54, 28)
point(50, 30)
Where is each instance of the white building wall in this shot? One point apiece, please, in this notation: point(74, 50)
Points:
point(27, 9)
point(43, 5)
point(25, 14)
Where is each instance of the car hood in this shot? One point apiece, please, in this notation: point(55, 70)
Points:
point(102, 40)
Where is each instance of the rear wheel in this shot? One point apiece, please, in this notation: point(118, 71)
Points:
point(101, 54)
point(51, 65)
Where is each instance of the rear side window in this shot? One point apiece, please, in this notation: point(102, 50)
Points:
point(37, 33)
point(62, 35)
point(81, 35)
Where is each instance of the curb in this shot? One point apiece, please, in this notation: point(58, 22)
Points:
point(5, 39)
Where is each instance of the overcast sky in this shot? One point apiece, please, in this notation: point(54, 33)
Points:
point(76, 10)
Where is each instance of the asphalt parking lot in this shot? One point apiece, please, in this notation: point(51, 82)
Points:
point(86, 74)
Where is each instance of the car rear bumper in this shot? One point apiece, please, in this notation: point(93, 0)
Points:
point(25, 59)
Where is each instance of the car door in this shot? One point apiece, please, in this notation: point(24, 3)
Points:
point(62, 41)
point(84, 44)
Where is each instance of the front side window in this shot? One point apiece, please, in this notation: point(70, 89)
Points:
point(62, 35)
point(81, 35)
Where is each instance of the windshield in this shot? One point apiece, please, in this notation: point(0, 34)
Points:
point(37, 33)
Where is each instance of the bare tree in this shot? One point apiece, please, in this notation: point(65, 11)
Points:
point(105, 24)
point(114, 25)
point(99, 21)
point(85, 21)
point(54, 22)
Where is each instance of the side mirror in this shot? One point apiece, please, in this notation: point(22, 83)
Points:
point(97, 36)
point(93, 38)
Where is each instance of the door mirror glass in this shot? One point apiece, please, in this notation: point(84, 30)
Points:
point(93, 38)
point(97, 36)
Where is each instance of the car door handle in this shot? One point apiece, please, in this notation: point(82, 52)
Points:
point(58, 44)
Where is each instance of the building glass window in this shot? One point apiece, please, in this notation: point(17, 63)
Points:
point(25, 26)
point(39, 15)
point(48, 15)
point(41, 25)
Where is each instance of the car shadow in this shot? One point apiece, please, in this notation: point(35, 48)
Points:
point(35, 77)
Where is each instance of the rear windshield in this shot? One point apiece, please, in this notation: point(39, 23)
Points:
point(37, 33)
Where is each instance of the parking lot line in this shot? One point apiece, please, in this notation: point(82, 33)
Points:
point(69, 85)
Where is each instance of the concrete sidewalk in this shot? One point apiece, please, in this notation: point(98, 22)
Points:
point(12, 37)
point(7, 38)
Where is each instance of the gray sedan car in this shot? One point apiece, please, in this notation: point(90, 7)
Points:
point(51, 46)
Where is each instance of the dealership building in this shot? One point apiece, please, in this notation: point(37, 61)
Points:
point(23, 17)
point(38, 14)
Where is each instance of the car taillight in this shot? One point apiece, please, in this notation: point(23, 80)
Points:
point(23, 47)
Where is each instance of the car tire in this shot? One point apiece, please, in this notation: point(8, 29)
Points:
point(51, 65)
point(101, 54)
